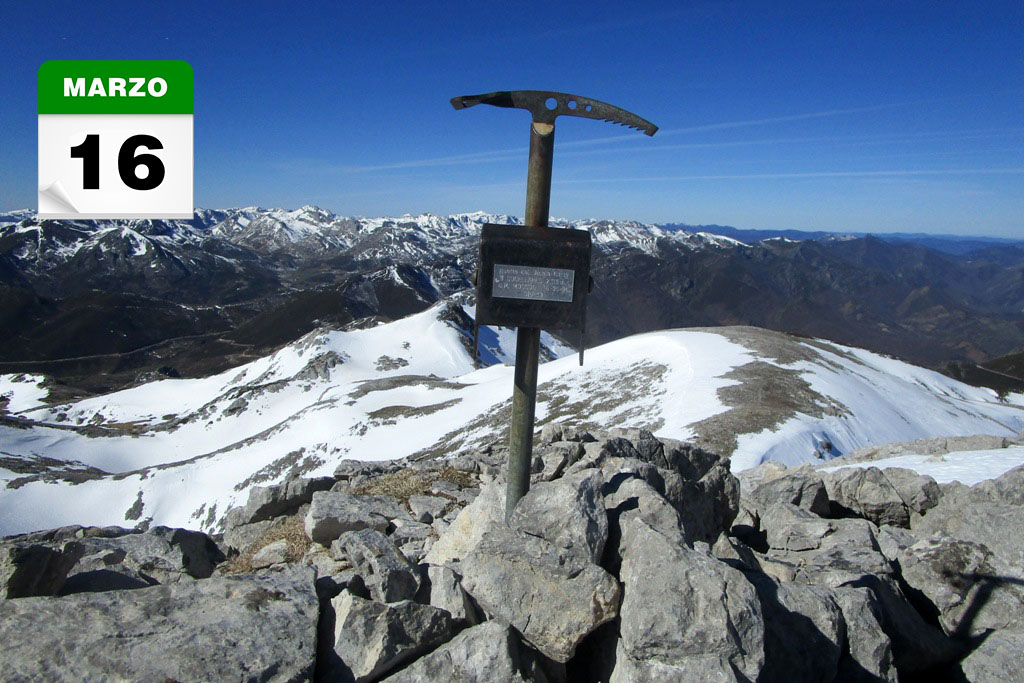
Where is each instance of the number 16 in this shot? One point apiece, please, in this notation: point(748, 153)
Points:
point(128, 162)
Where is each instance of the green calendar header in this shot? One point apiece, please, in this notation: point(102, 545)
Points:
point(116, 87)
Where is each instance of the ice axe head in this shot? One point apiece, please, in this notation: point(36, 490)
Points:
point(545, 106)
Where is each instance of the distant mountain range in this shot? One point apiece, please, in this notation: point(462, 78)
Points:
point(102, 304)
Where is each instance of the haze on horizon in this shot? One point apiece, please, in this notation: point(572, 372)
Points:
point(843, 116)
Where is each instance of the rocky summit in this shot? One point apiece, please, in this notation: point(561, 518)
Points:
point(632, 558)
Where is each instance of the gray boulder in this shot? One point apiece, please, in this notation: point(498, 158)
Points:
point(919, 492)
point(959, 579)
point(244, 536)
point(465, 532)
point(568, 512)
point(428, 508)
point(867, 493)
point(446, 593)
point(371, 639)
point(684, 615)
point(868, 657)
point(255, 627)
point(996, 659)
point(332, 513)
point(788, 527)
point(33, 569)
point(802, 487)
point(386, 571)
point(271, 554)
point(552, 596)
point(488, 652)
point(972, 516)
point(267, 502)
point(804, 631)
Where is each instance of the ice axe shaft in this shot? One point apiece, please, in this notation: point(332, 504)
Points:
point(544, 107)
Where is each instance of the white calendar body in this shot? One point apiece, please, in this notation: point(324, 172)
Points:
point(62, 188)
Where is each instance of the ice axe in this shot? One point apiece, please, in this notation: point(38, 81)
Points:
point(544, 107)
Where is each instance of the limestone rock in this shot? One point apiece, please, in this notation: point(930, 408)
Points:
point(428, 508)
point(996, 659)
point(552, 596)
point(33, 569)
point(804, 631)
point(867, 493)
point(918, 492)
point(684, 616)
point(869, 655)
point(371, 639)
point(958, 578)
point(569, 513)
point(465, 532)
point(271, 554)
point(267, 502)
point(333, 513)
point(802, 487)
point(446, 593)
point(788, 527)
point(488, 652)
point(254, 627)
point(386, 571)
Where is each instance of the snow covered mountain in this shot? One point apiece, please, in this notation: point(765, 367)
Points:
point(180, 452)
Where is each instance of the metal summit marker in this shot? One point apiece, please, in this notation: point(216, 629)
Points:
point(532, 277)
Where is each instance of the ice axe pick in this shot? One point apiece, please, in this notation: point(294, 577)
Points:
point(544, 107)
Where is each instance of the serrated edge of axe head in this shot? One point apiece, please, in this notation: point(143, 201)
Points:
point(536, 102)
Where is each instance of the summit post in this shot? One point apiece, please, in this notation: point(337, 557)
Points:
point(544, 107)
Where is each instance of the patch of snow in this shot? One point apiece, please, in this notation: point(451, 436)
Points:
point(966, 467)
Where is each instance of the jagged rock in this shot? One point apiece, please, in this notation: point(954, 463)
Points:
point(33, 569)
point(267, 502)
point(866, 492)
point(569, 513)
point(788, 527)
point(736, 554)
point(550, 461)
point(331, 514)
point(428, 508)
point(161, 554)
point(958, 578)
point(349, 469)
point(630, 498)
point(552, 596)
point(407, 530)
point(271, 554)
point(1007, 489)
point(386, 571)
point(752, 477)
point(255, 627)
point(371, 639)
point(850, 557)
point(996, 659)
point(976, 518)
point(488, 652)
point(465, 532)
point(892, 540)
point(446, 593)
point(105, 570)
point(804, 631)
point(919, 492)
point(684, 616)
point(802, 487)
point(869, 654)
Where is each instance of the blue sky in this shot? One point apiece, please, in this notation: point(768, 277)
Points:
point(846, 116)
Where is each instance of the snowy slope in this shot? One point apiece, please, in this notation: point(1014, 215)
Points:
point(182, 451)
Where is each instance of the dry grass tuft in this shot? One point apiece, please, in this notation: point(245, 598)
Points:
point(293, 531)
point(409, 482)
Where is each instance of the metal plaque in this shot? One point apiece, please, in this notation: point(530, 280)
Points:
point(530, 282)
point(533, 277)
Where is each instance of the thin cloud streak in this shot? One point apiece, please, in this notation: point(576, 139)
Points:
point(812, 174)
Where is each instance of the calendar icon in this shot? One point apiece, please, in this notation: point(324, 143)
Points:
point(115, 139)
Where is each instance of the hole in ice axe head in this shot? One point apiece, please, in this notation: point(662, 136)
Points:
point(545, 106)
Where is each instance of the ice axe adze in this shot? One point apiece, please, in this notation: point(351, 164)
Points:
point(544, 107)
